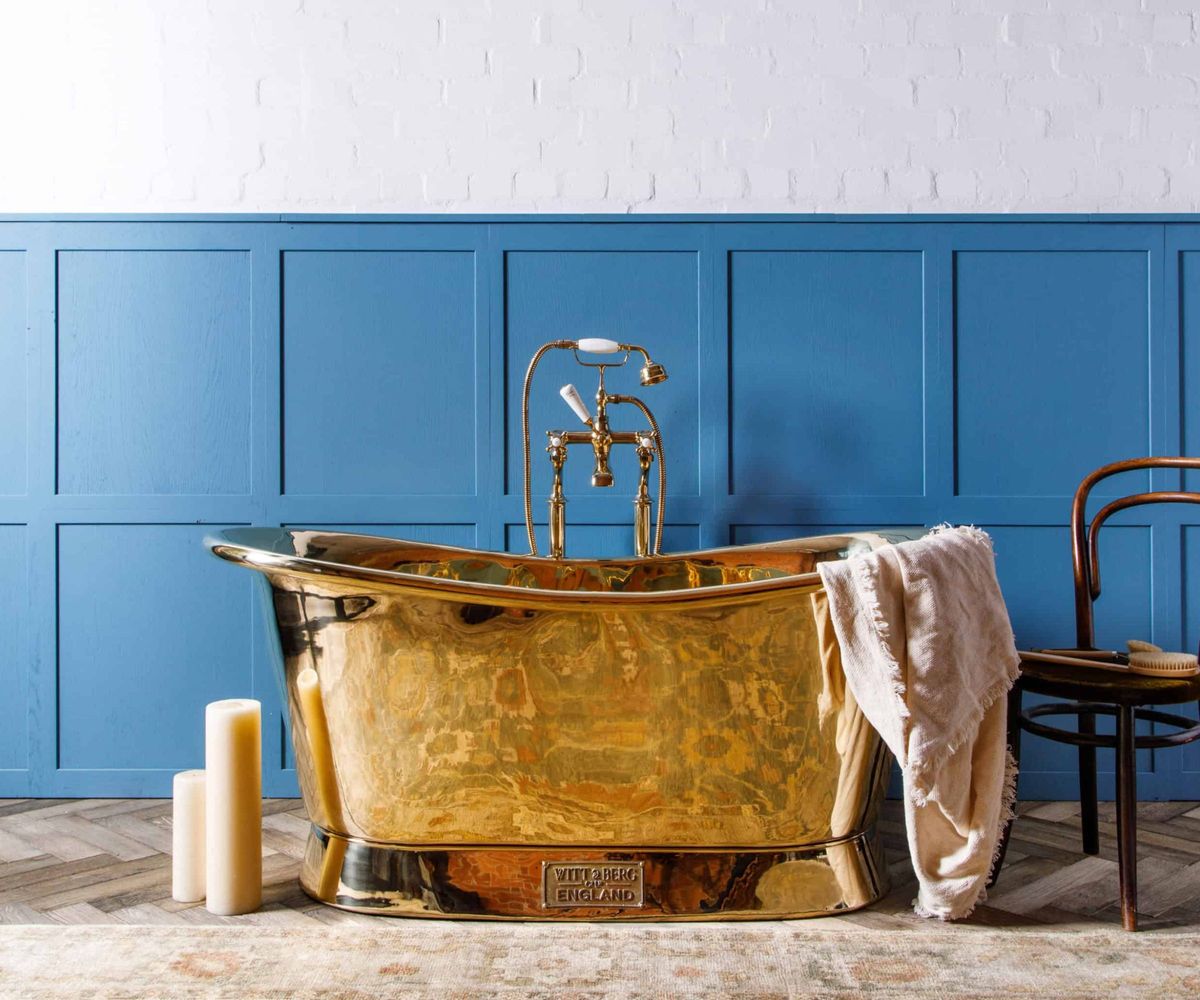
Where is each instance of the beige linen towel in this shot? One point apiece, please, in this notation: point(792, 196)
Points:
point(928, 652)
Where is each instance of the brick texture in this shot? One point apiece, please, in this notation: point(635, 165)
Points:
point(600, 105)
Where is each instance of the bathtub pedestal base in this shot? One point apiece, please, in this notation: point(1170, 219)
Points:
point(562, 883)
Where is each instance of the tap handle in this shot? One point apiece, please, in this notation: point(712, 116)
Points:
point(572, 398)
point(598, 345)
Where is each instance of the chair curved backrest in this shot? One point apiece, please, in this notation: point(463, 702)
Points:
point(1084, 534)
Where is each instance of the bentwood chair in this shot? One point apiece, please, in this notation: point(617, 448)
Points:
point(1093, 691)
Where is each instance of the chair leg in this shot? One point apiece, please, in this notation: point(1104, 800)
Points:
point(1127, 815)
point(1089, 818)
point(1014, 744)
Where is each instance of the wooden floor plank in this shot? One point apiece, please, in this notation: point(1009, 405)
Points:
point(26, 867)
point(199, 915)
point(81, 913)
point(342, 918)
point(1161, 812)
point(288, 824)
point(1055, 812)
point(122, 807)
point(155, 835)
point(47, 808)
point(272, 806)
point(1152, 838)
point(1178, 888)
point(107, 839)
point(1089, 900)
point(1047, 891)
point(143, 914)
point(22, 913)
point(279, 916)
point(12, 882)
point(45, 835)
point(83, 885)
point(281, 843)
point(13, 848)
point(14, 807)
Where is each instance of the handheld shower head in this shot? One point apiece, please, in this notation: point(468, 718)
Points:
point(653, 373)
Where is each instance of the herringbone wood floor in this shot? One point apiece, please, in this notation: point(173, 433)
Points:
point(95, 861)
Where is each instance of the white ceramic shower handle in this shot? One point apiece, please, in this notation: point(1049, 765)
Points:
point(571, 395)
point(598, 345)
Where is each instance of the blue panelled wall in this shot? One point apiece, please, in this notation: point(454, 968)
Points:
point(162, 376)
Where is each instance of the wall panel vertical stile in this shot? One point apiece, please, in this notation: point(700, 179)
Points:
point(161, 378)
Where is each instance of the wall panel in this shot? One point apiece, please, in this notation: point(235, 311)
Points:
point(14, 649)
point(379, 372)
point(819, 345)
point(1051, 347)
point(633, 296)
point(162, 377)
point(13, 373)
point(150, 629)
point(1186, 271)
point(153, 372)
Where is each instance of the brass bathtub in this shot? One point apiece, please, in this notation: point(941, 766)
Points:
point(502, 736)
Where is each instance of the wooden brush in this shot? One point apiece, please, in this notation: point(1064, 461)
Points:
point(1142, 658)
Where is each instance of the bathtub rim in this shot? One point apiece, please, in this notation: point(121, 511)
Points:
point(235, 545)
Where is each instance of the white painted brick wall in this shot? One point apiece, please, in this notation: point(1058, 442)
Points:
point(599, 105)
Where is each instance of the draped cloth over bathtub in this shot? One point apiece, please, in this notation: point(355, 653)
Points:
point(928, 652)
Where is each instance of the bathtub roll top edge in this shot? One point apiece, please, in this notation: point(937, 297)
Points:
point(717, 576)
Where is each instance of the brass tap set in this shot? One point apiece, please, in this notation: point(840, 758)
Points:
point(647, 444)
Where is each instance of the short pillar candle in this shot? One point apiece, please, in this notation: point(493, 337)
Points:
point(233, 762)
point(187, 837)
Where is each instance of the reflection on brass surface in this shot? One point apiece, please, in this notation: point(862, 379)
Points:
point(510, 883)
point(570, 884)
point(316, 727)
point(479, 703)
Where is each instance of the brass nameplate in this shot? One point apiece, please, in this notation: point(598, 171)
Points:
point(568, 884)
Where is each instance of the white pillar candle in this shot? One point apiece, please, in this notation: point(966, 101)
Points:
point(187, 837)
point(233, 761)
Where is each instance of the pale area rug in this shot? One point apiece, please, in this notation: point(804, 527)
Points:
point(449, 960)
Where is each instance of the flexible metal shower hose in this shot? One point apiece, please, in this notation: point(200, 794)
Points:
point(553, 345)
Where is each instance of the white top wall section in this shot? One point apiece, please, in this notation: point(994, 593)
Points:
point(599, 105)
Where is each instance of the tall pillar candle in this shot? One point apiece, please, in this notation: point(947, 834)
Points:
point(187, 837)
point(233, 762)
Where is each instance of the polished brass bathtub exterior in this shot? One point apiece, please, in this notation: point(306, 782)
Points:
point(487, 715)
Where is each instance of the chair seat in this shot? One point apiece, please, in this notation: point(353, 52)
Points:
point(1095, 685)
